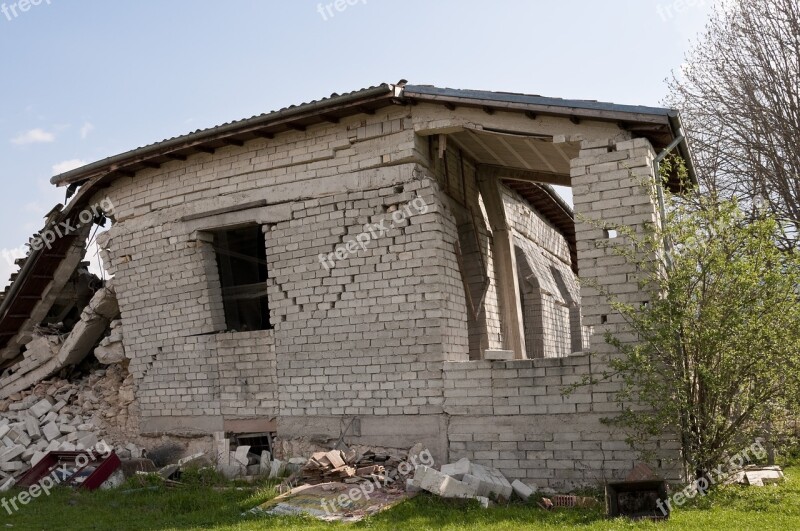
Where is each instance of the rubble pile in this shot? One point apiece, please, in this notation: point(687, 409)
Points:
point(65, 416)
point(464, 479)
point(349, 467)
point(69, 334)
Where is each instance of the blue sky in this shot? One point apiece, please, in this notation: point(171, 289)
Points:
point(85, 79)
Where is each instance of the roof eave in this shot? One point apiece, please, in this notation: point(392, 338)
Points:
point(382, 94)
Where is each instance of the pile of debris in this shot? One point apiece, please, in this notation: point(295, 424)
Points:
point(464, 479)
point(58, 415)
point(67, 336)
point(349, 467)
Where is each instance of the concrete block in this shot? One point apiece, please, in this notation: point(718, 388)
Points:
point(439, 484)
point(498, 355)
point(277, 469)
point(22, 438)
point(51, 431)
point(240, 455)
point(194, 459)
point(458, 469)
point(110, 353)
point(136, 452)
point(412, 486)
point(41, 408)
point(37, 456)
point(8, 485)
point(32, 427)
point(489, 482)
point(11, 453)
point(27, 455)
point(13, 466)
point(264, 464)
point(522, 490)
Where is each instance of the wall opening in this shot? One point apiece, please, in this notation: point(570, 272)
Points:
point(242, 262)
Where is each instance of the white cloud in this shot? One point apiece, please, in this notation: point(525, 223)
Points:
point(7, 266)
point(86, 129)
point(34, 136)
point(67, 165)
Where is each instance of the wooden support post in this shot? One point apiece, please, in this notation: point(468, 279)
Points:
point(505, 264)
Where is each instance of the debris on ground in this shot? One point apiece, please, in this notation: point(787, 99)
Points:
point(464, 479)
point(333, 502)
point(758, 476)
point(349, 467)
point(58, 415)
point(80, 319)
point(81, 469)
point(568, 501)
point(345, 484)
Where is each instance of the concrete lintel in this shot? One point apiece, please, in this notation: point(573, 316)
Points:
point(186, 426)
point(260, 425)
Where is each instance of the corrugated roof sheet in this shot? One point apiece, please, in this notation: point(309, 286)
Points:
point(535, 99)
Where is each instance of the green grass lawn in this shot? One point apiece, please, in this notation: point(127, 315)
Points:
point(739, 508)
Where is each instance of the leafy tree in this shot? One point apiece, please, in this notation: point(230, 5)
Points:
point(719, 351)
point(739, 94)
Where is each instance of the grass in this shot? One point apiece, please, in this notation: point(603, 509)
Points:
point(220, 508)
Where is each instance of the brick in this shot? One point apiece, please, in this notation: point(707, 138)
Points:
point(41, 408)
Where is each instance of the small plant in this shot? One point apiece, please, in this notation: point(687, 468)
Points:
point(202, 477)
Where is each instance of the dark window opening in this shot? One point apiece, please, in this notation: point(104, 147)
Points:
point(242, 260)
point(258, 442)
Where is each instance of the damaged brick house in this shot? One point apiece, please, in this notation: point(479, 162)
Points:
point(459, 323)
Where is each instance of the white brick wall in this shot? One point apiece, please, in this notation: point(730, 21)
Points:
point(514, 416)
point(385, 332)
